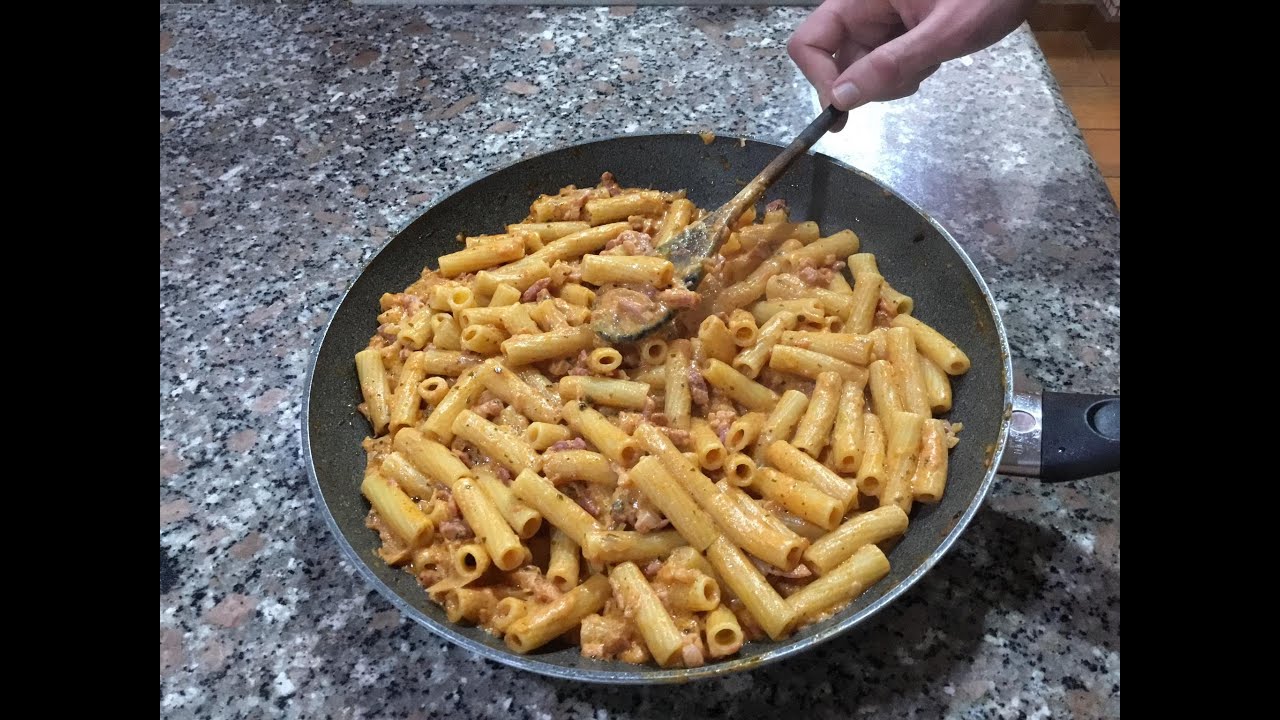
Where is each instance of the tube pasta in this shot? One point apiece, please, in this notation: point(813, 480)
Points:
point(710, 451)
point(679, 214)
point(738, 386)
point(486, 521)
point(498, 379)
point(608, 439)
point(482, 256)
point(641, 602)
point(798, 497)
point(603, 361)
point(749, 431)
point(402, 515)
point(849, 580)
point(615, 546)
point(744, 431)
point(871, 471)
point(815, 425)
point(550, 621)
point(846, 437)
point(541, 435)
point(634, 269)
point(524, 520)
point(776, 548)
point(557, 508)
point(508, 450)
point(901, 347)
point(810, 364)
point(902, 450)
point(935, 346)
point(677, 401)
point(789, 459)
point(373, 385)
point(564, 342)
point(606, 391)
point(853, 349)
point(867, 528)
point(930, 477)
point(768, 608)
point(782, 422)
point(578, 465)
point(563, 567)
point(937, 385)
point(717, 341)
point(752, 358)
point(675, 502)
point(724, 633)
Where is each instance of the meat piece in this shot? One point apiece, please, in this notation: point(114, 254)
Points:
point(652, 568)
point(629, 421)
point(646, 225)
point(809, 275)
point(697, 386)
point(503, 474)
point(678, 298)
point(691, 655)
point(565, 272)
point(559, 367)
point(466, 453)
point(774, 205)
point(574, 444)
point(648, 518)
point(580, 366)
point(608, 182)
point(531, 293)
point(680, 438)
point(720, 420)
point(604, 638)
point(585, 496)
point(629, 242)
point(454, 529)
point(530, 579)
point(388, 332)
point(635, 305)
point(885, 313)
point(488, 410)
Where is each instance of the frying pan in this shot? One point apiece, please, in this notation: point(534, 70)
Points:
point(1055, 436)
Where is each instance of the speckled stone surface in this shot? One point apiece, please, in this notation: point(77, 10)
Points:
point(295, 140)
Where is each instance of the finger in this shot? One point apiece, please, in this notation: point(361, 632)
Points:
point(899, 63)
point(813, 47)
point(903, 91)
point(912, 86)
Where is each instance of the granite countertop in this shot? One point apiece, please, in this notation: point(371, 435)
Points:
point(294, 140)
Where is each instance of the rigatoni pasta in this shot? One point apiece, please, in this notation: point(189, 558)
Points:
point(673, 497)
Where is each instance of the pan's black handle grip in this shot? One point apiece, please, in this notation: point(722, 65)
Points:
point(1081, 436)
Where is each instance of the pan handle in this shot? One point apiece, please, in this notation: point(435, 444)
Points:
point(1063, 436)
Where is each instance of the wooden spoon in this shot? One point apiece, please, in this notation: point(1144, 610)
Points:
point(689, 249)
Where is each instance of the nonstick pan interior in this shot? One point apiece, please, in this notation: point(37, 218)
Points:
point(915, 255)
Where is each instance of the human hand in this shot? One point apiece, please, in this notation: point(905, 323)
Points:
point(860, 51)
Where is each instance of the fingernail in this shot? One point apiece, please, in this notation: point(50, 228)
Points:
point(846, 95)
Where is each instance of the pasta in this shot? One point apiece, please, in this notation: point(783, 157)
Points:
point(666, 500)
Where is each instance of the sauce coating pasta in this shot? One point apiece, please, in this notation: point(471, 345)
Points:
point(724, 481)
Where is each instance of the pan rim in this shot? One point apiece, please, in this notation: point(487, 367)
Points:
point(643, 674)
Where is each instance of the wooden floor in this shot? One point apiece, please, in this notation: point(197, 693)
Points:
point(1090, 81)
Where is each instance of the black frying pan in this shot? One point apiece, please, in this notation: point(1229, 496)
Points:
point(1080, 437)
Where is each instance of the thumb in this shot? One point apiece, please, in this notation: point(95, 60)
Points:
point(881, 73)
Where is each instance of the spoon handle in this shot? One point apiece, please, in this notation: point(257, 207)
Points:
point(774, 170)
